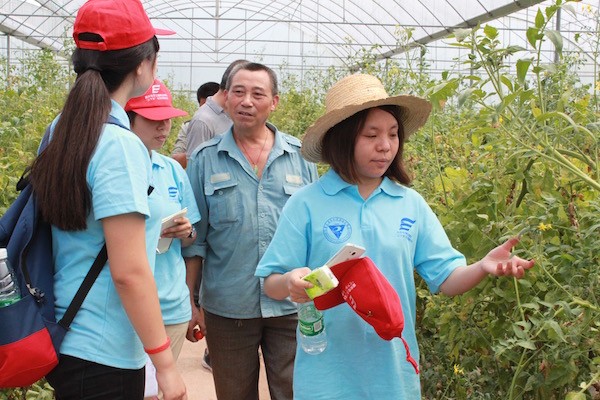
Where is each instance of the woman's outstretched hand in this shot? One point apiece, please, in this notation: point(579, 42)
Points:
point(499, 261)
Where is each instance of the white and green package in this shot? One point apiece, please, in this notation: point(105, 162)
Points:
point(323, 280)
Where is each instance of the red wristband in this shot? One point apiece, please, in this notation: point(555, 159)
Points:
point(160, 348)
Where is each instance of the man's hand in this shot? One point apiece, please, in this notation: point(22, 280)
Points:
point(197, 322)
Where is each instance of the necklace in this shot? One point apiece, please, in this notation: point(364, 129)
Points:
point(255, 167)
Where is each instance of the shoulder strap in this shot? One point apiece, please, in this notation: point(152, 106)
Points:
point(94, 271)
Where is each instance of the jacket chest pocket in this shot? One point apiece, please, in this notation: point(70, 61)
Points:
point(224, 202)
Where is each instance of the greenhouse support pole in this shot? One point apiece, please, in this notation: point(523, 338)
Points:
point(7, 59)
point(556, 55)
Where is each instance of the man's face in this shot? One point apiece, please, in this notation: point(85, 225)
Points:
point(249, 99)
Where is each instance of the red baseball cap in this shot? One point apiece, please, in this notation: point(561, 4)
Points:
point(155, 104)
point(120, 23)
point(371, 296)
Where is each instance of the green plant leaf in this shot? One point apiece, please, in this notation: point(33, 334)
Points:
point(522, 67)
point(461, 34)
point(556, 38)
point(490, 31)
point(514, 49)
point(504, 79)
point(527, 344)
point(550, 11)
point(539, 19)
point(532, 36)
point(554, 330)
point(569, 7)
point(464, 96)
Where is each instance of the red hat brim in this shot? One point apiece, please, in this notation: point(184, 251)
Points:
point(159, 113)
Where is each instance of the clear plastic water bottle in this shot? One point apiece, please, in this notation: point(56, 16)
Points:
point(312, 328)
point(9, 289)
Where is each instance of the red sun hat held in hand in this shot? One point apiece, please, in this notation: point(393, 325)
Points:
point(121, 24)
point(371, 296)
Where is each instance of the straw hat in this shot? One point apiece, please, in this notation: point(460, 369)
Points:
point(355, 93)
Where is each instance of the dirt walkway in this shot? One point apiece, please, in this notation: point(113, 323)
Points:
point(199, 381)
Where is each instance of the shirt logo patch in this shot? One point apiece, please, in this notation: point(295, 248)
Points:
point(337, 230)
point(406, 225)
point(173, 192)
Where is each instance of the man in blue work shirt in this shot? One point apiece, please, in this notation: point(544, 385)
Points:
point(241, 180)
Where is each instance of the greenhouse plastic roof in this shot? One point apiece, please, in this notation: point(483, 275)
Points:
point(296, 33)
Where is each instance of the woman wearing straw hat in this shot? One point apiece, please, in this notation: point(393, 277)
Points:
point(364, 199)
point(92, 185)
point(150, 117)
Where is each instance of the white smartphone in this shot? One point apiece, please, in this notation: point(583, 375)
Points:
point(348, 252)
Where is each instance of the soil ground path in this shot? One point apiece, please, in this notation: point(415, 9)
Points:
point(199, 381)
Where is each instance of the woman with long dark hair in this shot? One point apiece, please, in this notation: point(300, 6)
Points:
point(92, 184)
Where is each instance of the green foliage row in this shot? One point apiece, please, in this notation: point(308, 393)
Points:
point(507, 151)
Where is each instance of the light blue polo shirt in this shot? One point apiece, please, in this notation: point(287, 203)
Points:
point(239, 216)
point(402, 235)
point(172, 189)
point(118, 177)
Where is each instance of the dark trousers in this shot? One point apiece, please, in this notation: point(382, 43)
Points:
point(77, 379)
point(234, 345)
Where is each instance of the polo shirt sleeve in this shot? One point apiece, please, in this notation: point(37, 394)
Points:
point(119, 174)
point(435, 258)
point(196, 178)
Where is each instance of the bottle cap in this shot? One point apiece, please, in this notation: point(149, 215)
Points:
point(198, 334)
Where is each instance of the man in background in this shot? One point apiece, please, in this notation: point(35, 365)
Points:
point(204, 91)
point(242, 179)
point(211, 119)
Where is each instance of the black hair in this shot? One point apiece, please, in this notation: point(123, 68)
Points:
point(206, 90)
point(250, 66)
point(59, 173)
point(339, 142)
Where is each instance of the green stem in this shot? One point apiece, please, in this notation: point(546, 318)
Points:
point(590, 383)
point(516, 374)
point(539, 57)
point(516, 283)
point(556, 157)
point(437, 162)
point(489, 73)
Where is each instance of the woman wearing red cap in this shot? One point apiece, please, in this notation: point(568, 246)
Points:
point(92, 185)
point(364, 199)
point(150, 117)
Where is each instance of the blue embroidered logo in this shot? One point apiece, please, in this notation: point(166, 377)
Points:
point(406, 225)
point(173, 192)
point(337, 230)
